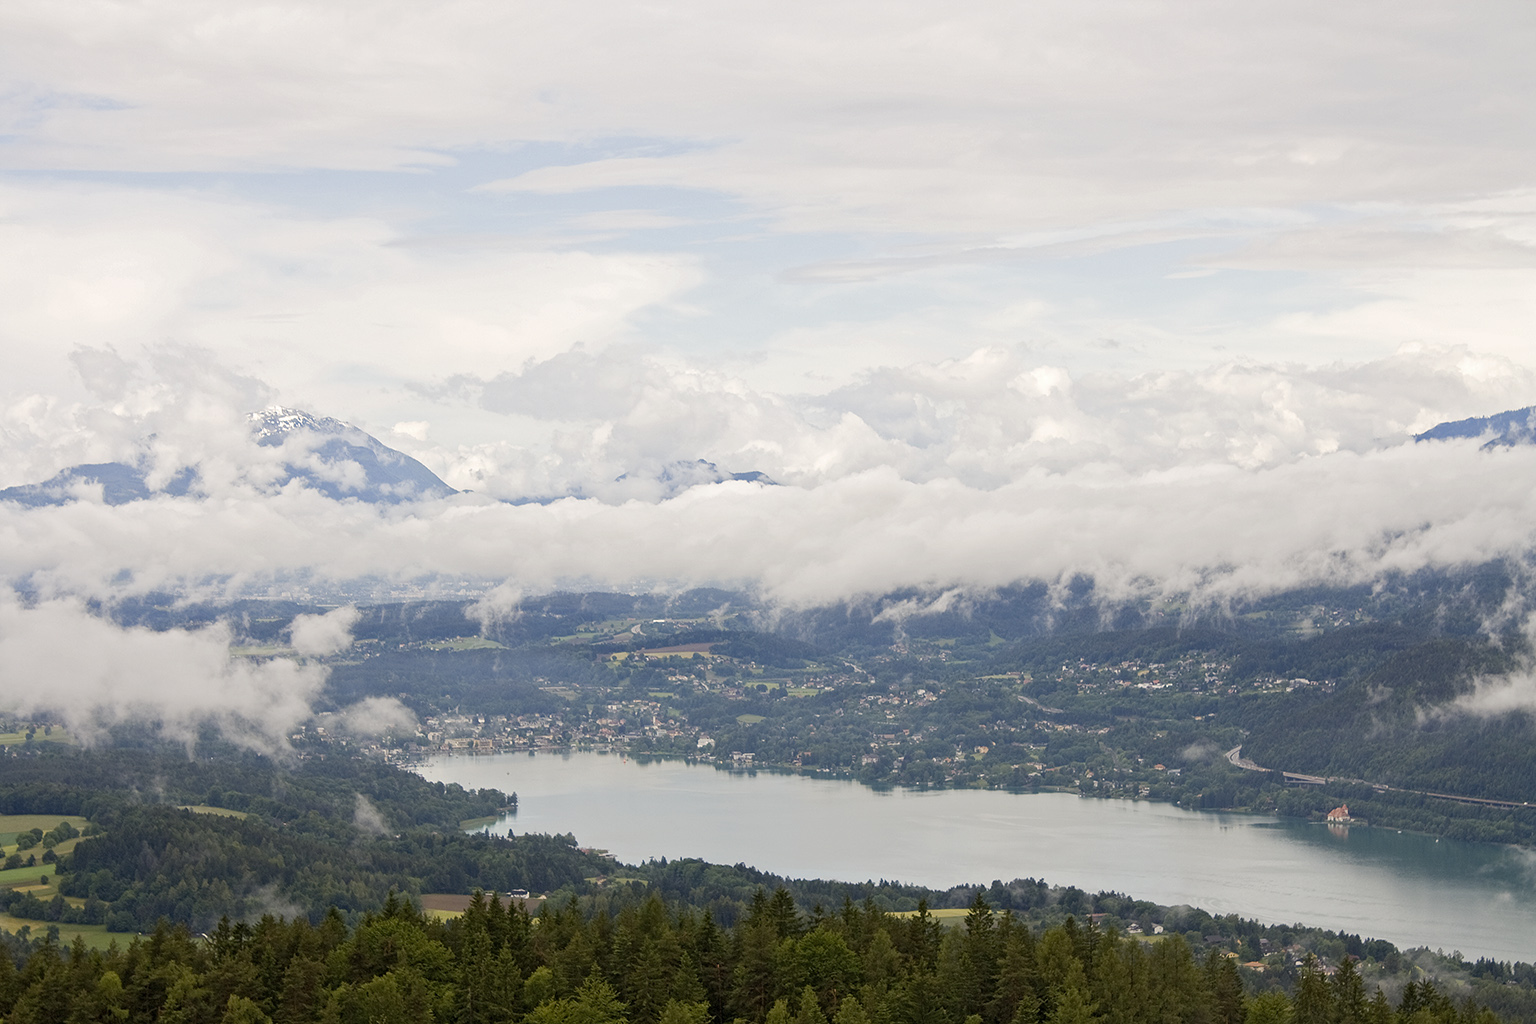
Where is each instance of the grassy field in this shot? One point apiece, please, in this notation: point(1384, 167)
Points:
point(475, 824)
point(222, 812)
point(68, 846)
point(12, 824)
point(467, 643)
point(23, 876)
point(749, 719)
point(15, 739)
point(943, 914)
point(262, 651)
point(94, 935)
point(948, 917)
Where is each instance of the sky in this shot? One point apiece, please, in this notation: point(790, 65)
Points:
point(1154, 292)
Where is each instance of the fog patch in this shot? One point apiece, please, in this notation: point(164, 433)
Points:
point(502, 604)
point(57, 657)
point(368, 818)
point(316, 636)
point(898, 612)
point(1493, 696)
point(267, 900)
point(1201, 751)
point(1377, 693)
point(377, 716)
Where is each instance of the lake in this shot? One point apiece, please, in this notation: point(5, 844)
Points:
point(1411, 889)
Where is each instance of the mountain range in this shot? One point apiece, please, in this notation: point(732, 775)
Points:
point(332, 457)
point(343, 462)
point(1517, 426)
point(327, 455)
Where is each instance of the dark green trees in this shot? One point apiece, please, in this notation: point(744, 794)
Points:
point(647, 962)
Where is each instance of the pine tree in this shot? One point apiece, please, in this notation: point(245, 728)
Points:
point(783, 914)
point(778, 1013)
point(1072, 1002)
point(1015, 995)
point(923, 933)
point(1225, 986)
point(681, 1012)
point(1313, 1002)
point(1114, 986)
point(851, 1011)
point(240, 1010)
point(753, 980)
point(1378, 1010)
point(1270, 1008)
point(810, 1008)
point(1349, 1005)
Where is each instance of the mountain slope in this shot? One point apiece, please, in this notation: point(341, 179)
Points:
point(120, 483)
point(326, 450)
point(324, 454)
point(1517, 426)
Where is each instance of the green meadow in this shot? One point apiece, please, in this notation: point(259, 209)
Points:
point(222, 812)
point(12, 825)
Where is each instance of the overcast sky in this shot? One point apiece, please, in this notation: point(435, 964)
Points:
point(995, 290)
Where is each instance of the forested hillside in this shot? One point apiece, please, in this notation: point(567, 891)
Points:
point(1398, 725)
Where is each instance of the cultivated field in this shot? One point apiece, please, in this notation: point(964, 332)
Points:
point(95, 936)
point(12, 824)
point(466, 643)
point(222, 812)
point(21, 878)
point(16, 739)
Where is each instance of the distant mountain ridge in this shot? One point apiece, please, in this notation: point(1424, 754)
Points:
point(332, 457)
point(390, 476)
point(120, 483)
point(336, 459)
point(676, 477)
point(1517, 426)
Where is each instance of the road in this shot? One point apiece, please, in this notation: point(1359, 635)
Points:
point(1237, 760)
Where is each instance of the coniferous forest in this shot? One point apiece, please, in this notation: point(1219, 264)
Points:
point(649, 962)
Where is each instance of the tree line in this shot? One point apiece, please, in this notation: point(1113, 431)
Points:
point(647, 961)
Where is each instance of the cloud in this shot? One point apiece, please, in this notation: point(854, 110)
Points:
point(499, 605)
point(1203, 751)
point(303, 298)
point(897, 118)
point(970, 473)
point(1492, 696)
point(368, 818)
point(58, 658)
point(318, 635)
point(378, 716)
point(935, 272)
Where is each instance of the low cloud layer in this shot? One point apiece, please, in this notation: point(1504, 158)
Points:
point(320, 635)
point(1493, 696)
point(61, 660)
point(992, 295)
point(377, 716)
point(58, 658)
point(1216, 528)
point(369, 818)
point(966, 474)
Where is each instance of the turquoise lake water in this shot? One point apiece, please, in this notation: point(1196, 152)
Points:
point(1411, 889)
